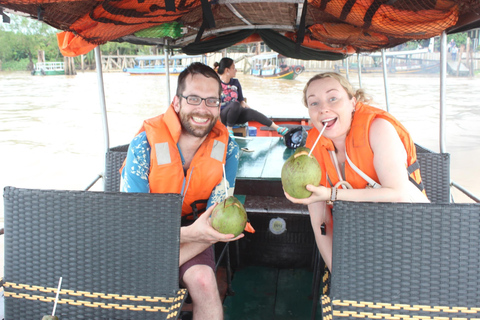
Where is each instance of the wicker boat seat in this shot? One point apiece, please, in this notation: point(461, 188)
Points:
point(117, 254)
point(404, 261)
point(435, 171)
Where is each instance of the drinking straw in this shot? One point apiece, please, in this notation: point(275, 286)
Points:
point(316, 141)
point(225, 180)
point(56, 298)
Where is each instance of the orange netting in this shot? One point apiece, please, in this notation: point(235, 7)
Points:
point(331, 25)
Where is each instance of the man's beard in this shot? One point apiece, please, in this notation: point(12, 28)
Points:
point(190, 128)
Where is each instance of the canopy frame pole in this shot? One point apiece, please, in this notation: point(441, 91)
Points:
point(101, 92)
point(359, 67)
point(103, 109)
point(385, 80)
point(347, 70)
point(443, 78)
point(167, 72)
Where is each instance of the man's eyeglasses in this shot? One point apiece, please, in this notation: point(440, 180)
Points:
point(196, 100)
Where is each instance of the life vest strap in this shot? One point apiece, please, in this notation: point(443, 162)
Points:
point(170, 5)
point(411, 169)
point(301, 27)
point(196, 212)
point(208, 19)
point(371, 183)
point(367, 19)
point(347, 7)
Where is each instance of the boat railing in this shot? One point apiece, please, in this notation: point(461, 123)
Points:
point(464, 191)
point(49, 66)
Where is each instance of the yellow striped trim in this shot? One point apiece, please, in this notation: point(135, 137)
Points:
point(326, 308)
point(94, 304)
point(370, 315)
point(326, 275)
point(390, 306)
point(96, 294)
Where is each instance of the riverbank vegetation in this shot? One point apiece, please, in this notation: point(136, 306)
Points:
point(23, 38)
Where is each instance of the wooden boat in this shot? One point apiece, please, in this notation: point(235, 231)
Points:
point(256, 129)
point(48, 69)
point(401, 255)
point(272, 66)
point(155, 65)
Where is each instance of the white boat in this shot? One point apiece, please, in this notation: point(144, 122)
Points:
point(155, 65)
point(48, 69)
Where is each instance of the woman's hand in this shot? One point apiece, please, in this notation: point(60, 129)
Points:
point(202, 231)
point(245, 105)
point(319, 194)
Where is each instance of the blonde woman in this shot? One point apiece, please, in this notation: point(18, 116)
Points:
point(365, 154)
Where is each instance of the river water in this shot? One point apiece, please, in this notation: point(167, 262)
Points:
point(51, 128)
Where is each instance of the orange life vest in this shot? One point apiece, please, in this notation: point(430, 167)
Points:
point(166, 169)
point(359, 150)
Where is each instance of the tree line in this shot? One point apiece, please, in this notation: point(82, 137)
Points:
point(22, 38)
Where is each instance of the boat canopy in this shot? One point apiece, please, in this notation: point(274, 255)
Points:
point(303, 29)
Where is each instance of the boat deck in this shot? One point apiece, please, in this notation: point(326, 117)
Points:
point(273, 270)
point(262, 158)
point(270, 293)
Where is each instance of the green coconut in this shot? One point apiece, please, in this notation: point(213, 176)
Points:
point(50, 318)
point(229, 217)
point(298, 171)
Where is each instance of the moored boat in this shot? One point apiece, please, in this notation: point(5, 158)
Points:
point(48, 69)
point(272, 66)
point(155, 65)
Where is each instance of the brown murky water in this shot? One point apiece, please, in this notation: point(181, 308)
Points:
point(51, 128)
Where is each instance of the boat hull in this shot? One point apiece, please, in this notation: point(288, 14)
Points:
point(288, 73)
point(155, 65)
point(153, 72)
point(260, 130)
point(48, 72)
point(48, 69)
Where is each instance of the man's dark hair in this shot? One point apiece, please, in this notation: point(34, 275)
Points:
point(197, 68)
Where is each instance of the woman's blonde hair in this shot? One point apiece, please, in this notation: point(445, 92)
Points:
point(359, 94)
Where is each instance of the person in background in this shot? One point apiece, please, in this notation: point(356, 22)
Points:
point(234, 109)
point(365, 154)
point(184, 151)
point(454, 51)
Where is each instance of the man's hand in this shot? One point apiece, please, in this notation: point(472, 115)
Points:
point(202, 231)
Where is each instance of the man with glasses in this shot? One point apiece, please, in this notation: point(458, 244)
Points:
point(185, 150)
